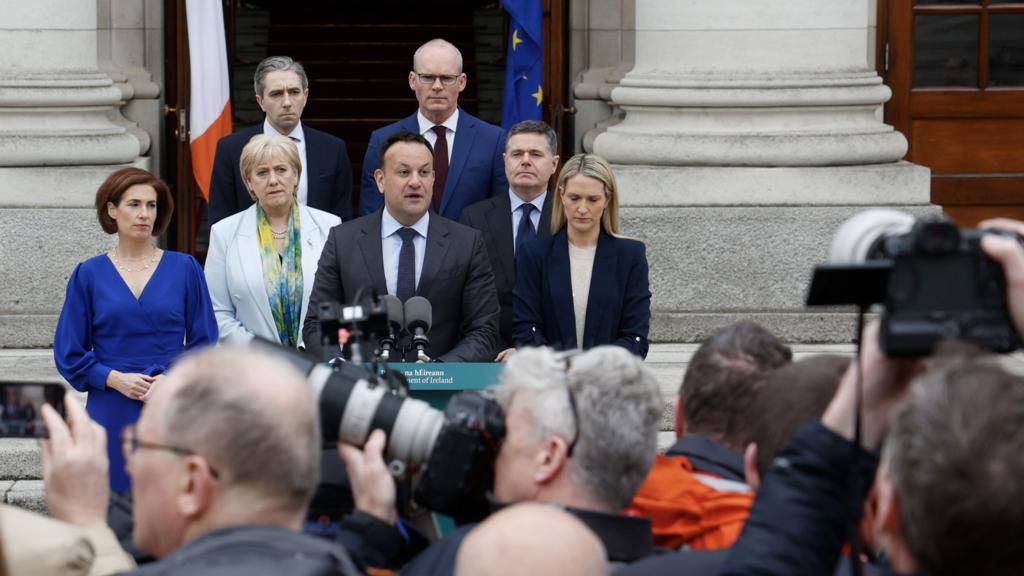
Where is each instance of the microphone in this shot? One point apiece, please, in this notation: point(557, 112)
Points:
point(396, 319)
point(418, 316)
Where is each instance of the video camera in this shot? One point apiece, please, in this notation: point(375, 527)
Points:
point(932, 278)
point(450, 454)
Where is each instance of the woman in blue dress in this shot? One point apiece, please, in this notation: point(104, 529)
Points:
point(129, 313)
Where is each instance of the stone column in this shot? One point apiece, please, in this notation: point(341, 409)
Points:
point(750, 131)
point(603, 45)
point(57, 144)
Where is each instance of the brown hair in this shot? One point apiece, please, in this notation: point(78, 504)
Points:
point(115, 186)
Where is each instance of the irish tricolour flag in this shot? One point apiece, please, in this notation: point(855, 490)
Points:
point(210, 112)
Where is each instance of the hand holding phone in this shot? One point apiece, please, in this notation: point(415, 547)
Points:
point(75, 466)
point(20, 407)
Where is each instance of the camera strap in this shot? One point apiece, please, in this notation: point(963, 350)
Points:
point(856, 505)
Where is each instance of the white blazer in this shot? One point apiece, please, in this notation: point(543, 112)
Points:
point(234, 272)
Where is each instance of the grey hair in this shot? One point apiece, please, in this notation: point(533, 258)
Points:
point(535, 127)
point(277, 64)
point(955, 459)
point(438, 43)
point(618, 404)
point(222, 412)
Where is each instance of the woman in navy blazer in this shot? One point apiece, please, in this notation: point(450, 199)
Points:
point(585, 285)
point(262, 261)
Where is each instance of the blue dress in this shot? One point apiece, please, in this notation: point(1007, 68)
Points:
point(103, 327)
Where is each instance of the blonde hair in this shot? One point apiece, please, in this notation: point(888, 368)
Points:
point(595, 167)
point(263, 148)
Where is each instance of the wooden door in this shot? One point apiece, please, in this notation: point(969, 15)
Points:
point(956, 69)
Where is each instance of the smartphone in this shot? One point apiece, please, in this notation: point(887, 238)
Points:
point(20, 404)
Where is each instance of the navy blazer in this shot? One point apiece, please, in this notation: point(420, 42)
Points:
point(476, 169)
point(618, 307)
point(328, 174)
point(493, 218)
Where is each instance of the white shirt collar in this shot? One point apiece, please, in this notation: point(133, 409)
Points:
point(426, 125)
point(537, 202)
point(297, 133)
point(388, 224)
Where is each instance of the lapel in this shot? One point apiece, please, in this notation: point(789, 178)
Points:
point(310, 235)
point(251, 262)
point(373, 255)
point(602, 284)
point(560, 289)
point(499, 221)
point(437, 247)
point(464, 135)
point(544, 228)
point(313, 162)
point(411, 124)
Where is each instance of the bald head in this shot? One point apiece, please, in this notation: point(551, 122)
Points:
point(531, 538)
point(438, 48)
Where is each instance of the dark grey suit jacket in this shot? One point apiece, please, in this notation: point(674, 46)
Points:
point(456, 279)
point(493, 218)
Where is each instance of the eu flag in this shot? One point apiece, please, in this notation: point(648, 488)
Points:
point(524, 70)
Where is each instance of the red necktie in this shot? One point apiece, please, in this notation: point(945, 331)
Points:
point(440, 164)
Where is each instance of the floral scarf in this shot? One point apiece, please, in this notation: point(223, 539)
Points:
point(282, 275)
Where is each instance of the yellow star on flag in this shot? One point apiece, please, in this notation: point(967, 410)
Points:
point(516, 40)
point(539, 94)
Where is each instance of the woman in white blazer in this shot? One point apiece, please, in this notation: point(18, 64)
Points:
point(262, 261)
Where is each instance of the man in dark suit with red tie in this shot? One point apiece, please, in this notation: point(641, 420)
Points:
point(524, 211)
point(467, 151)
point(326, 180)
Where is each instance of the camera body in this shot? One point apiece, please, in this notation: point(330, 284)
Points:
point(943, 286)
point(932, 277)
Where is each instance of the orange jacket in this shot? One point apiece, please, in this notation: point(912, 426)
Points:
point(689, 508)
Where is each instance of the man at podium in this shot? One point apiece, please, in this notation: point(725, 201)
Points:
point(405, 250)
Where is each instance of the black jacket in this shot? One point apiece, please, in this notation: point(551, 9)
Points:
point(493, 218)
point(254, 551)
point(626, 539)
point(807, 503)
point(328, 174)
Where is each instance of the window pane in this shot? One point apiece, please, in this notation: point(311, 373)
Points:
point(946, 50)
point(1006, 49)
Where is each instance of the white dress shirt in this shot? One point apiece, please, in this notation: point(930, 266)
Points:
point(300, 141)
point(427, 130)
point(517, 214)
point(391, 247)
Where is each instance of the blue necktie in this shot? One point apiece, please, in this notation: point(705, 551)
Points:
point(406, 265)
point(526, 230)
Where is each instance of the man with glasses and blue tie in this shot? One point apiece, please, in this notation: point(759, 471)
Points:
point(509, 220)
point(467, 151)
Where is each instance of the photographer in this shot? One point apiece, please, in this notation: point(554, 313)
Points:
point(949, 496)
point(581, 432)
point(224, 461)
point(76, 540)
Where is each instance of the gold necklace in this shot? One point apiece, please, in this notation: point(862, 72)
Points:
point(145, 264)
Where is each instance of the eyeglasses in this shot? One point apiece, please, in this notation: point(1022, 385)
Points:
point(429, 79)
point(566, 358)
point(130, 443)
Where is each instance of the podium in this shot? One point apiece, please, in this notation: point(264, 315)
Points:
point(436, 382)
